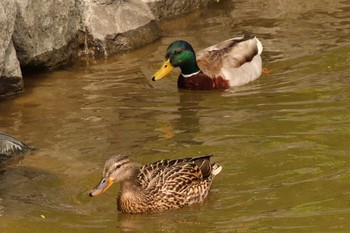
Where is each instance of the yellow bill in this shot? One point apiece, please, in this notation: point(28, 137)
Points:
point(163, 71)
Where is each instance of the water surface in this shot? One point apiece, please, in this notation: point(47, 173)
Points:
point(283, 140)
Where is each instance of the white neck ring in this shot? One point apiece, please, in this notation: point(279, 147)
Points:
point(190, 75)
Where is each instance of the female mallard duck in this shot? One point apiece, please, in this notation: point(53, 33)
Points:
point(159, 186)
point(233, 62)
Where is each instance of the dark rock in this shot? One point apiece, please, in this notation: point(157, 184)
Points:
point(11, 149)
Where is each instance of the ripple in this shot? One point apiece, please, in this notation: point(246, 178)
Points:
point(281, 139)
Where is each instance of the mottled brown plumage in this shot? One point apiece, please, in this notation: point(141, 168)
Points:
point(159, 186)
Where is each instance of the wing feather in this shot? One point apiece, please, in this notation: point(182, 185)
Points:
point(226, 58)
point(173, 174)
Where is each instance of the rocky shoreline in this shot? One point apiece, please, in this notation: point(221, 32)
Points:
point(44, 35)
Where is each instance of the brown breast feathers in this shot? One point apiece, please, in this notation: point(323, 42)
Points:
point(201, 81)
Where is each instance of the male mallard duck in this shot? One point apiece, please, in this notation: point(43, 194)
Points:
point(159, 186)
point(233, 62)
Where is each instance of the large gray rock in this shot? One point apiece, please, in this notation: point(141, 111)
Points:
point(11, 81)
point(112, 26)
point(45, 32)
point(163, 9)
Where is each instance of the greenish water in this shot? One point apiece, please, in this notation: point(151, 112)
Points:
point(283, 141)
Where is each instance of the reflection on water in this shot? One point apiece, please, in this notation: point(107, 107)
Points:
point(282, 140)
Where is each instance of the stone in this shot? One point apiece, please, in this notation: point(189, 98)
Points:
point(45, 33)
point(112, 26)
point(11, 81)
point(163, 9)
point(11, 149)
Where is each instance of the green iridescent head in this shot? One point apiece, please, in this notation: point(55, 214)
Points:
point(179, 54)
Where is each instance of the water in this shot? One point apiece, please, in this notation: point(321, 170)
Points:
point(283, 141)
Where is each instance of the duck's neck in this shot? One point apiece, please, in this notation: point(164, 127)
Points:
point(130, 197)
point(129, 187)
point(189, 68)
point(130, 184)
point(190, 75)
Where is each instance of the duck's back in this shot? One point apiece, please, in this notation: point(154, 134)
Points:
point(171, 184)
point(236, 60)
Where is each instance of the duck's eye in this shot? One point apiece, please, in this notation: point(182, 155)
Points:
point(178, 51)
point(118, 166)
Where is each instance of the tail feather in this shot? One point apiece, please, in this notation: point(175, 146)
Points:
point(259, 45)
point(216, 169)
